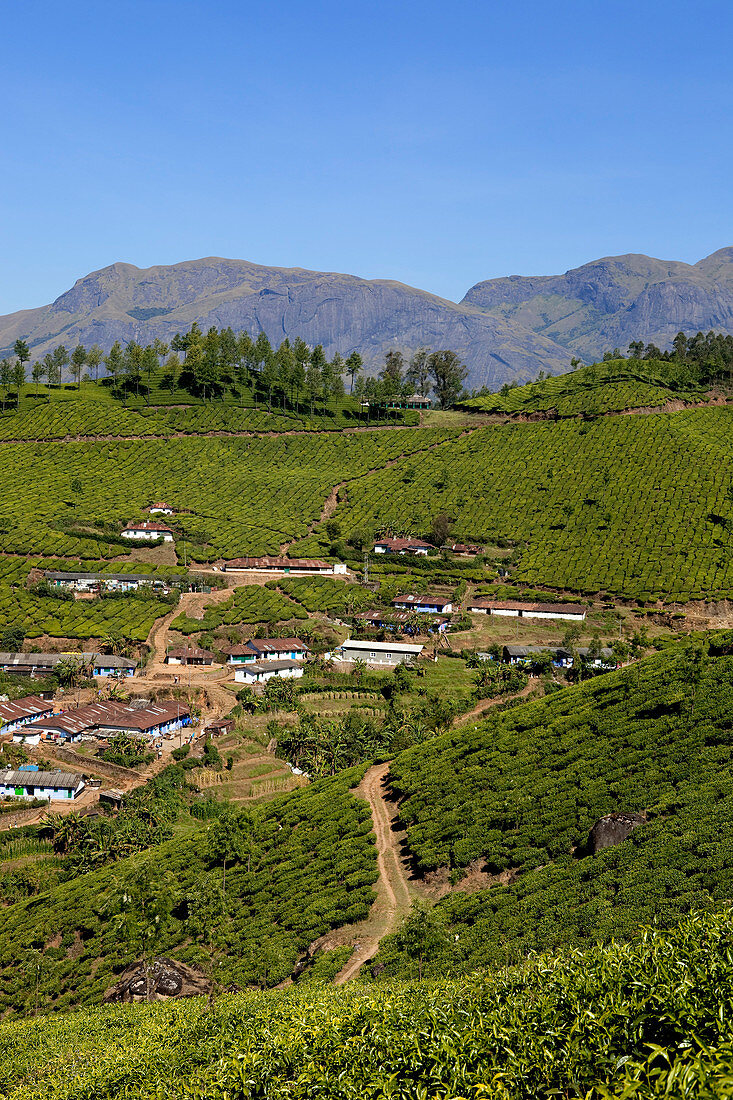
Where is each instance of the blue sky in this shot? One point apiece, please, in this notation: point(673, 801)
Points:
point(434, 143)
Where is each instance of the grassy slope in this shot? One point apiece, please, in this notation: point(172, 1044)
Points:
point(521, 790)
point(312, 869)
point(642, 1020)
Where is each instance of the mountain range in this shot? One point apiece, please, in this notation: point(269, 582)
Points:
point(504, 329)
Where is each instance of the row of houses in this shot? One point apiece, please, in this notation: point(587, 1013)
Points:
point(148, 531)
point(515, 609)
point(285, 566)
point(92, 583)
point(150, 720)
point(43, 664)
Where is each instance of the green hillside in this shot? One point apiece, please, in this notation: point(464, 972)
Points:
point(520, 791)
point(608, 387)
point(643, 1020)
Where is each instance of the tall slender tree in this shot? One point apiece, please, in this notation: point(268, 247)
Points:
point(353, 367)
point(78, 359)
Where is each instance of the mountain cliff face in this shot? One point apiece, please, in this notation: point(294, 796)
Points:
point(342, 312)
point(609, 302)
point(504, 329)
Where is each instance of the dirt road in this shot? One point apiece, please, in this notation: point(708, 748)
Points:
point(393, 891)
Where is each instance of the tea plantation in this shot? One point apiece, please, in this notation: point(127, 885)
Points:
point(641, 1020)
point(305, 864)
point(607, 387)
point(520, 792)
point(248, 605)
point(235, 496)
point(637, 506)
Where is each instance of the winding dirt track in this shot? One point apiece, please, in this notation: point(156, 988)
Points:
point(393, 893)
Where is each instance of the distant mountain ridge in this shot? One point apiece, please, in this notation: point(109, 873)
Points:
point(504, 329)
point(612, 301)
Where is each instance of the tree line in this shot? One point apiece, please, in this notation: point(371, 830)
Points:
point(291, 375)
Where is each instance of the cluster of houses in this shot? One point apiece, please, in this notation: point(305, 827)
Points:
point(34, 719)
point(255, 661)
point(93, 584)
point(44, 664)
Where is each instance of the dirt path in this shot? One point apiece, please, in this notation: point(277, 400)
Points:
point(393, 890)
point(486, 704)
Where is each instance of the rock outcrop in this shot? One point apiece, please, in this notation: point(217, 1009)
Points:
point(162, 980)
point(612, 829)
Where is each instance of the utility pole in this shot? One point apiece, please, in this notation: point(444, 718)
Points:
point(366, 567)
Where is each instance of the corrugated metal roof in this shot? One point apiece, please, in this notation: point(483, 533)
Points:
point(24, 708)
point(65, 780)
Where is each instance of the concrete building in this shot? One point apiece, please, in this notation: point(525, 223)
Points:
point(572, 612)
point(262, 671)
point(189, 655)
point(27, 783)
point(43, 664)
point(287, 566)
point(425, 605)
point(267, 649)
point(415, 547)
point(377, 653)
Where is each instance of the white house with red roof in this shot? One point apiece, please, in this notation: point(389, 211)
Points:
point(148, 530)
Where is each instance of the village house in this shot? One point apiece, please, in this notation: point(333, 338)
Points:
point(267, 649)
point(147, 530)
point(30, 782)
point(413, 401)
point(161, 509)
point(292, 566)
point(43, 664)
point(402, 621)
point(605, 659)
point(461, 550)
point(189, 655)
point(526, 654)
point(515, 609)
point(15, 715)
point(102, 719)
point(218, 729)
point(416, 547)
point(377, 653)
point(430, 605)
point(94, 583)
point(262, 671)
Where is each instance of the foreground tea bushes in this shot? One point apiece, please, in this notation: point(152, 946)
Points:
point(639, 1020)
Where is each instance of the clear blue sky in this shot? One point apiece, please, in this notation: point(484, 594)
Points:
point(435, 143)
